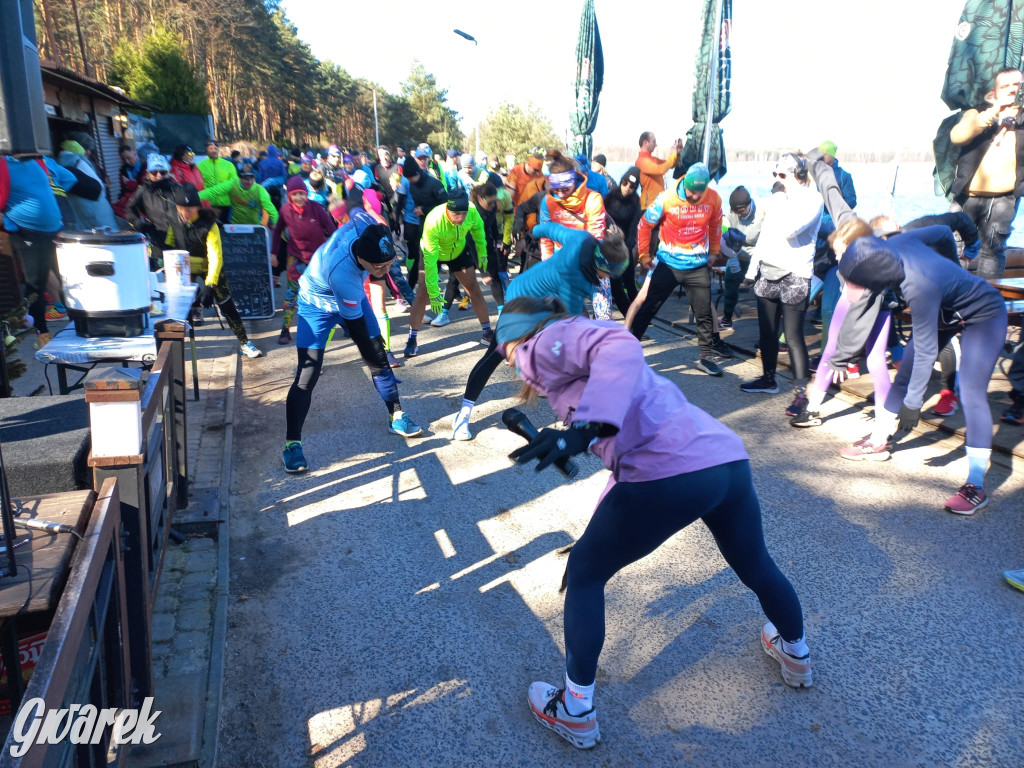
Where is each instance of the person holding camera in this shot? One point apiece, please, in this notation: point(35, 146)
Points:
point(990, 173)
point(197, 231)
point(668, 471)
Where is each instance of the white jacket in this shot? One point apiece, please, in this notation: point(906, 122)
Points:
point(789, 232)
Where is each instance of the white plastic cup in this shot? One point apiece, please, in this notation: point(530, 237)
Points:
point(177, 272)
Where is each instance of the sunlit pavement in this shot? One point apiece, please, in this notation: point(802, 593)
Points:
point(390, 607)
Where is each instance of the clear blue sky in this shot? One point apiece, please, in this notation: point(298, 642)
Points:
point(865, 75)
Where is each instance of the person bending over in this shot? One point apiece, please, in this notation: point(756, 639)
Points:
point(667, 472)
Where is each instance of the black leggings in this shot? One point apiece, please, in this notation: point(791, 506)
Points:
point(482, 371)
point(412, 234)
point(769, 314)
point(311, 361)
point(634, 519)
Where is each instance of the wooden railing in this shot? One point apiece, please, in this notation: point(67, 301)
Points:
point(85, 659)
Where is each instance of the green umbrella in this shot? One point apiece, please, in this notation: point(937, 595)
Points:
point(712, 83)
point(589, 79)
point(990, 36)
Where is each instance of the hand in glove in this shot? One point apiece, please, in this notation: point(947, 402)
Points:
point(837, 372)
point(482, 262)
point(207, 294)
point(908, 418)
point(551, 445)
point(436, 304)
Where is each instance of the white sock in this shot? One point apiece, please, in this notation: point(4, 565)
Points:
point(465, 411)
point(815, 397)
point(397, 415)
point(885, 423)
point(578, 698)
point(798, 649)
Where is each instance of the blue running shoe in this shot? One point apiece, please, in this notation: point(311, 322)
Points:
point(411, 348)
point(404, 426)
point(294, 461)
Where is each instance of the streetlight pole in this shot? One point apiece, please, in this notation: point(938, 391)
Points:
point(476, 43)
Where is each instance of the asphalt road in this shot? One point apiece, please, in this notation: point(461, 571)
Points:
point(391, 607)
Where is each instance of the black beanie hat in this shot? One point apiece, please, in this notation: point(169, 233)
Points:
point(600, 159)
point(458, 200)
point(187, 196)
point(632, 176)
point(739, 198)
point(375, 245)
point(868, 262)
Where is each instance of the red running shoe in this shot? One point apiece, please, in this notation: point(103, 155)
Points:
point(969, 499)
point(948, 403)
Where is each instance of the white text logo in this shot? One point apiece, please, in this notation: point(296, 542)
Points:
point(82, 725)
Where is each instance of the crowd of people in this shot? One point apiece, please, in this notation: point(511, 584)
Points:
point(562, 245)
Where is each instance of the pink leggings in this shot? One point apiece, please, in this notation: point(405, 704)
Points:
point(876, 345)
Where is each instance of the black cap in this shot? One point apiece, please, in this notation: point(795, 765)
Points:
point(458, 200)
point(187, 196)
point(739, 198)
point(246, 171)
point(375, 245)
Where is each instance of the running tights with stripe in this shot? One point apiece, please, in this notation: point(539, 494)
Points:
point(634, 519)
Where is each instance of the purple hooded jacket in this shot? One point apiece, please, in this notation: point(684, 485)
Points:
point(593, 370)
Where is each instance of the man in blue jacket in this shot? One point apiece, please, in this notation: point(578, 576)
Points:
point(31, 217)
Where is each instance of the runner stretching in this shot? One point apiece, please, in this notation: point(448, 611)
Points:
point(330, 294)
point(573, 274)
point(667, 472)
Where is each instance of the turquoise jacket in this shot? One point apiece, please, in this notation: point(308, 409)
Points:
point(562, 274)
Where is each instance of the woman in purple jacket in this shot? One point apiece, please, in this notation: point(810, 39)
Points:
point(660, 449)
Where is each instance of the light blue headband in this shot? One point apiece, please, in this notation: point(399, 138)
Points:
point(513, 326)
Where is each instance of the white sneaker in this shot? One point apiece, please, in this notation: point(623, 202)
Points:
point(401, 308)
point(441, 320)
point(250, 350)
point(548, 708)
point(461, 431)
point(796, 672)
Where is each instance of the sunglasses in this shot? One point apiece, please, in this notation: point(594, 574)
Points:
point(158, 173)
point(779, 175)
point(629, 184)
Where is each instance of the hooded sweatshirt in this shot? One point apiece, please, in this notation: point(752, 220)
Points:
point(563, 275)
point(271, 168)
point(595, 371)
point(307, 230)
point(935, 289)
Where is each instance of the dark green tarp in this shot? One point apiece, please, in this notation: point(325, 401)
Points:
point(589, 80)
point(713, 42)
point(989, 37)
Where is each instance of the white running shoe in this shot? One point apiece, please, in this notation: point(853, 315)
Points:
point(796, 672)
point(548, 708)
point(461, 431)
point(250, 350)
point(441, 320)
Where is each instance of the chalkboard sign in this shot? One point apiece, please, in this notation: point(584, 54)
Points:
point(247, 265)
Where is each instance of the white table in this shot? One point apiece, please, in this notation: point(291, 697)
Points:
point(69, 351)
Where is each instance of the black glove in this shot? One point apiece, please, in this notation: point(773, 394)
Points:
point(207, 295)
point(908, 418)
point(551, 445)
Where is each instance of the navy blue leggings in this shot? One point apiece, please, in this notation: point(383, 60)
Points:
point(634, 519)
